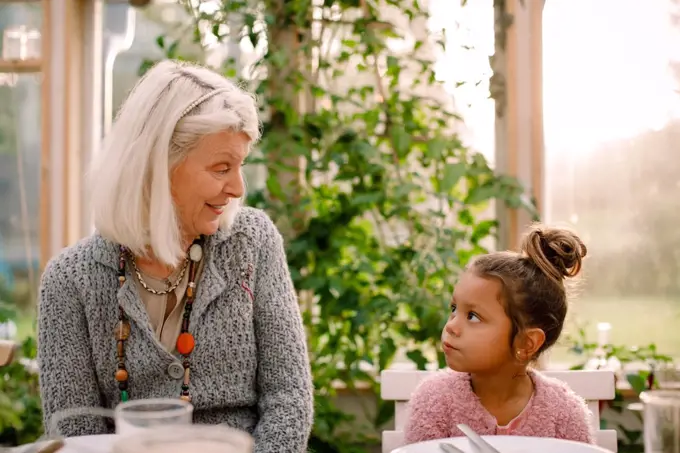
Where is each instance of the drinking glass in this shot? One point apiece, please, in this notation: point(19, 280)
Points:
point(186, 439)
point(140, 414)
point(661, 421)
point(136, 415)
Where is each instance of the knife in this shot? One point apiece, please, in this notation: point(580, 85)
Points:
point(450, 448)
point(478, 444)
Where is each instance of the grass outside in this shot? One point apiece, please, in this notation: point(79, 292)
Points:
point(635, 322)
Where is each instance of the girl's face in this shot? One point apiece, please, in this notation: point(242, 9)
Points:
point(476, 338)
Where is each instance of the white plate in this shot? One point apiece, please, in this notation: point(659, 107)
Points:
point(507, 444)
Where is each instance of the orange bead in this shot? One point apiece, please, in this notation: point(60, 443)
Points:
point(121, 375)
point(185, 343)
point(186, 398)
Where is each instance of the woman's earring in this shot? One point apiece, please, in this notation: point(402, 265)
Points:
point(518, 355)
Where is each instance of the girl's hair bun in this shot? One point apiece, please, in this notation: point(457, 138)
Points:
point(558, 252)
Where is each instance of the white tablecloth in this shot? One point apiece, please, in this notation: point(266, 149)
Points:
point(84, 444)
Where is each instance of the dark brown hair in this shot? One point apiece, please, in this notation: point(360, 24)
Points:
point(534, 294)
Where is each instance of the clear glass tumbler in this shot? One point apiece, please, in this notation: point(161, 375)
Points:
point(661, 421)
point(134, 415)
point(186, 439)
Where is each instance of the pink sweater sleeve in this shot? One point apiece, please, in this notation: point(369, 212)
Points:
point(429, 412)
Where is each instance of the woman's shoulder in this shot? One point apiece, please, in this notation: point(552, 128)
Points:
point(78, 258)
point(254, 223)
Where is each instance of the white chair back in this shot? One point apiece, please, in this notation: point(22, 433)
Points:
point(592, 386)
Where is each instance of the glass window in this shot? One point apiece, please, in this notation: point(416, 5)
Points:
point(130, 39)
point(612, 128)
point(20, 152)
point(465, 69)
point(20, 26)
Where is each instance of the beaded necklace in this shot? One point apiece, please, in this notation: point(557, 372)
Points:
point(185, 341)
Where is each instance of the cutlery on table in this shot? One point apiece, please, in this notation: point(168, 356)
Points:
point(450, 448)
point(41, 446)
point(478, 444)
point(52, 446)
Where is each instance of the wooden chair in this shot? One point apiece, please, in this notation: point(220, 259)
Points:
point(592, 386)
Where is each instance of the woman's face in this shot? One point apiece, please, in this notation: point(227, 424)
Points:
point(207, 180)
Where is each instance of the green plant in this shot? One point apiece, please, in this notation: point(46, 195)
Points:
point(380, 201)
point(639, 380)
point(20, 407)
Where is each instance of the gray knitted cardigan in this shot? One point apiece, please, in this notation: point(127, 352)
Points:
point(250, 368)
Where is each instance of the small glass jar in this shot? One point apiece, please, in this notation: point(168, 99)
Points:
point(136, 415)
point(661, 421)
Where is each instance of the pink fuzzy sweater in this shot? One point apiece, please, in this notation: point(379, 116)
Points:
point(446, 399)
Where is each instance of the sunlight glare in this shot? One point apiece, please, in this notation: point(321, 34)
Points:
point(606, 70)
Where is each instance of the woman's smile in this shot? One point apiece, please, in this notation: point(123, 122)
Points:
point(217, 209)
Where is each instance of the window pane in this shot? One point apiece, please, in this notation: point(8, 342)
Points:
point(24, 18)
point(130, 39)
point(464, 67)
point(612, 127)
point(20, 151)
point(465, 70)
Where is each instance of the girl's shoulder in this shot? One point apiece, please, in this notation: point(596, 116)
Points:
point(554, 399)
point(444, 385)
point(555, 393)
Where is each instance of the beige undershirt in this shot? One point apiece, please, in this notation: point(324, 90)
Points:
point(167, 329)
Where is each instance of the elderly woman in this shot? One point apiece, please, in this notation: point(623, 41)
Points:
point(180, 293)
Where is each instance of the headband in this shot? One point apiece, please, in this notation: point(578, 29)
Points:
point(201, 100)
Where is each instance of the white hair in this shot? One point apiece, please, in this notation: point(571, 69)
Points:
point(165, 115)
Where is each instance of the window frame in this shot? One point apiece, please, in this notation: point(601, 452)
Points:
point(518, 74)
point(71, 49)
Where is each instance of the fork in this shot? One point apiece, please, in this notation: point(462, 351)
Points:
point(478, 444)
point(41, 446)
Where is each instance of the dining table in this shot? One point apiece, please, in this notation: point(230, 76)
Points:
point(159, 439)
point(500, 444)
point(102, 443)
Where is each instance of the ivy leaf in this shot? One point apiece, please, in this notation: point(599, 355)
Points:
point(367, 198)
point(171, 52)
point(417, 357)
point(480, 194)
point(451, 175)
point(637, 382)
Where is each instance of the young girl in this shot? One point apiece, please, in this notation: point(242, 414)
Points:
point(507, 309)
